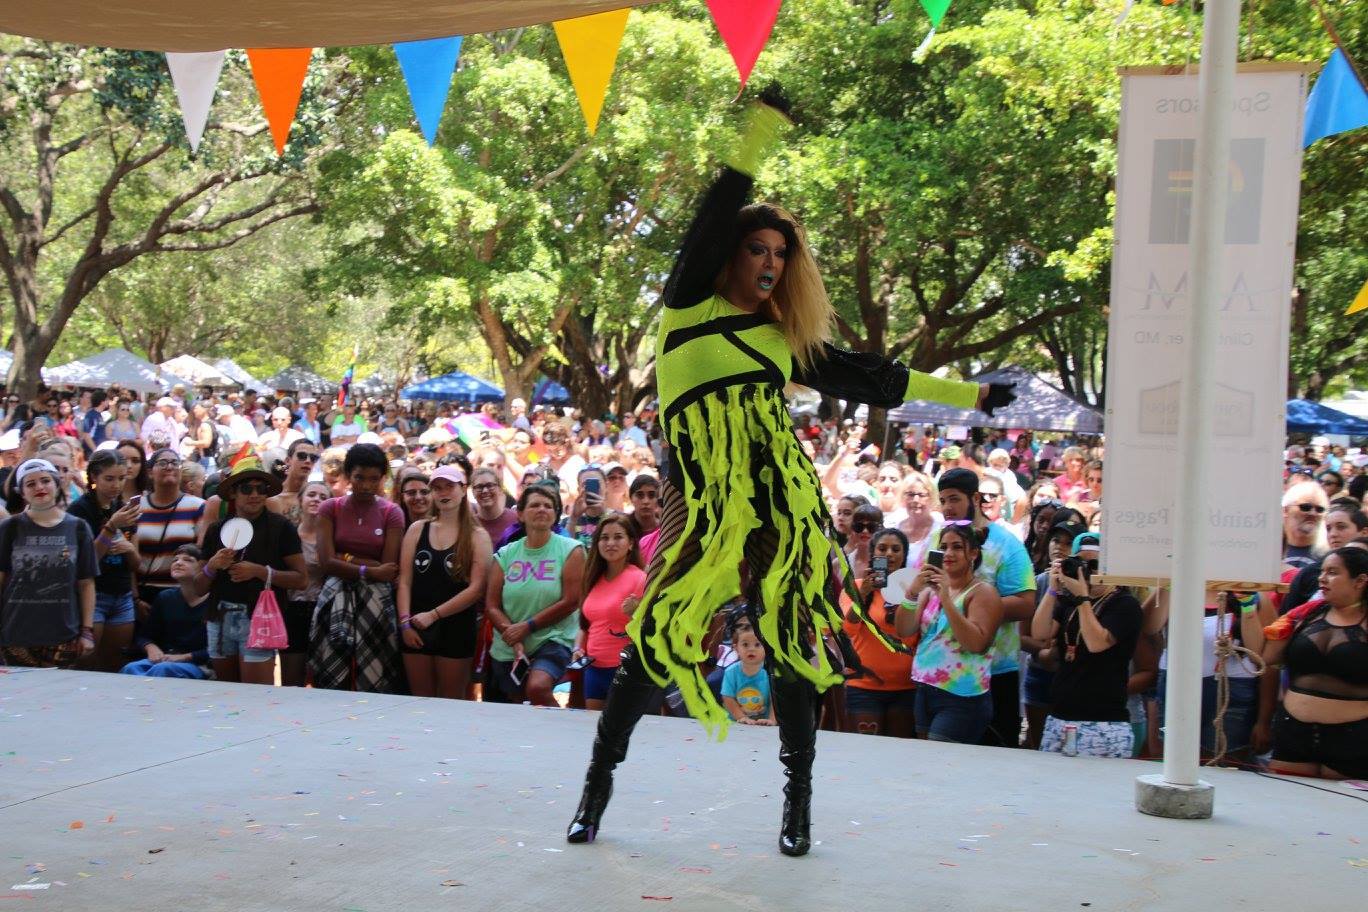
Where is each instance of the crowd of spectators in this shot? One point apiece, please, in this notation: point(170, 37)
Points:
point(411, 549)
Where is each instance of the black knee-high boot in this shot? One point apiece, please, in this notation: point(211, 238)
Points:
point(628, 698)
point(796, 705)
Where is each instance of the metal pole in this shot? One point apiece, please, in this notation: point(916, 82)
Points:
point(1181, 793)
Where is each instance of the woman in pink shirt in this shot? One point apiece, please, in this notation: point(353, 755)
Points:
point(613, 583)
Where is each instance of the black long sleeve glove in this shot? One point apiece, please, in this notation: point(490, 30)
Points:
point(1000, 395)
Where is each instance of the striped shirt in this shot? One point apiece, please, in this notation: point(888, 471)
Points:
point(161, 530)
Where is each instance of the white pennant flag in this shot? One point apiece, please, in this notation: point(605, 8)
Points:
point(195, 77)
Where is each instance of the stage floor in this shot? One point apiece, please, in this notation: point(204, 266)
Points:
point(140, 794)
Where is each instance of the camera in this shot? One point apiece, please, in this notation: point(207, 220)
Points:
point(1072, 566)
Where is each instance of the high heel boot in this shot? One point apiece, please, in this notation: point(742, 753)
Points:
point(796, 705)
point(628, 698)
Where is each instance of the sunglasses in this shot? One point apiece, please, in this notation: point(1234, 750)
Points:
point(988, 498)
point(864, 527)
point(252, 487)
point(307, 457)
point(1311, 508)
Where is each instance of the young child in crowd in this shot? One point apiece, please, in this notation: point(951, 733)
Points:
point(746, 684)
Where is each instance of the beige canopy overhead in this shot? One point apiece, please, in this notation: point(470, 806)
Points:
point(211, 25)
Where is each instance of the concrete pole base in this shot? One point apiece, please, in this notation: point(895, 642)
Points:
point(1159, 798)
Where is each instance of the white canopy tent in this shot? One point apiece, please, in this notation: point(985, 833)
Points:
point(230, 369)
point(115, 367)
point(202, 374)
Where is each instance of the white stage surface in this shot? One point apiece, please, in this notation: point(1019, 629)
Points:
point(139, 794)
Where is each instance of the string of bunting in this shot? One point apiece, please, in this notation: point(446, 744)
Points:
point(589, 44)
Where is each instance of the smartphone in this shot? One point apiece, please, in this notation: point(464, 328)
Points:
point(935, 558)
point(878, 568)
point(583, 661)
point(593, 486)
point(519, 670)
point(136, 499)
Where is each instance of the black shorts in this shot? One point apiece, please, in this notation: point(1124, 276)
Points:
point(1343, 747)
point(298, 617)
point(450, 638)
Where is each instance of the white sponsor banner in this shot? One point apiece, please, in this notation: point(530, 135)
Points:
point(1149, 302)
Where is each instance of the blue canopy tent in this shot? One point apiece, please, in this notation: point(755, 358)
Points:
point(1307, 417)
point(549, 392)
point(457, 386)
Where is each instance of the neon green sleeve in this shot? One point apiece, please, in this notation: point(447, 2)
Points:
point(958, 393)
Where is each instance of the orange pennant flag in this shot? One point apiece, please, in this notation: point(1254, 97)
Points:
point(1360, 301)
point(279, 75)
point(590, 47)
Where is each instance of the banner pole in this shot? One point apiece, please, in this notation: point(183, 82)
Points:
point(1179, 792)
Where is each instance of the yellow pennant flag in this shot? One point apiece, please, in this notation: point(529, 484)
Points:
point(1360, 301)
point(590, 46)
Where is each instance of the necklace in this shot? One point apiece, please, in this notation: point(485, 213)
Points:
point(1071, 649)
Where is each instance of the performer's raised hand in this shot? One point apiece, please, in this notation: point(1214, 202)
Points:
point(993, 396)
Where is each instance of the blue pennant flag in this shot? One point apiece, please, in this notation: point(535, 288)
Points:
point(1338, 101)
point(428, 66)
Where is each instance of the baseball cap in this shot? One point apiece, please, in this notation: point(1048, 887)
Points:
point(449, 473)
point(32, 467)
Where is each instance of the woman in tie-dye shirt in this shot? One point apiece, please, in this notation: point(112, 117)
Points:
point(956, 618)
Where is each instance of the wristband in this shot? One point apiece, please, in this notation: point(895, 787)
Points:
point(209, 571)
point(361, 570)
point(85, 629)
point(405, 623)
point(1053, 592)
point(531, 625)
point(1248, 604)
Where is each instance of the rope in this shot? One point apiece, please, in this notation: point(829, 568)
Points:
point(1226, 648)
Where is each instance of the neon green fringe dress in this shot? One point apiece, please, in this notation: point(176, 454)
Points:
point(739, 474)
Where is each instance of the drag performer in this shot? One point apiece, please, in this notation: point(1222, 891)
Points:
point(745, 313)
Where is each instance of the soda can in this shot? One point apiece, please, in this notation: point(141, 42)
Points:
point(1070, 748)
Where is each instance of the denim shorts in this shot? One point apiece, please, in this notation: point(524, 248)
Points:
point(1038, 683)
point(550, 658)
point(877, 702)
point(113, 610)
point(943, 716)
point(1241, 713)
point(228, 636)
point(597, 681)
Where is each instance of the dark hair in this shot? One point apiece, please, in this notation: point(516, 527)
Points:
point(191, 550)
point(296, 444)
point(1352, 510)
point(1031, 542)
point(643, 481)
point(365, 456)
point(1355, 561)
point(970, 536)
point(1358, 487)
point(859, 500)
point(597, 566)
point(102, 461)
point(868, 511)
point(141, 481)
point(460, 460)
point(890, 609)
point(544, 490)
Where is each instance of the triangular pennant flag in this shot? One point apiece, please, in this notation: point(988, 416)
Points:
point(1360, 301)
point(936, 10)
point(428, 66)
point(279, 75)
point(745, 26)
point(195, 76)
point(920, 53)
point(1337, 103)
point(590, 47)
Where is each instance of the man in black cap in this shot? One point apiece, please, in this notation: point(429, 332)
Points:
point(1007, 566)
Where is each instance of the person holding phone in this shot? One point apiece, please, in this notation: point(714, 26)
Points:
point(532, 600)
point(613, 582)
point(882, 701)
point(589, 506)
point(955, 618)
point(112, 522)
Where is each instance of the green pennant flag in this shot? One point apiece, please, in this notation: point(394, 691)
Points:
point(936, 10)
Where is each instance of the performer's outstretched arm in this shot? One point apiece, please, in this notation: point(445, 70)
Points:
point(710, 238)
point(876, 380)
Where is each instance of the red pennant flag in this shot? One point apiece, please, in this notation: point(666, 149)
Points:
point(745, 26)
point(279, 75)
